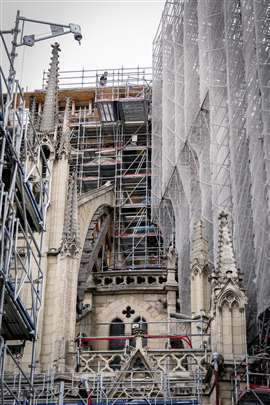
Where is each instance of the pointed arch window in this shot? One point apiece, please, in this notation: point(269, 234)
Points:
point(117, 328)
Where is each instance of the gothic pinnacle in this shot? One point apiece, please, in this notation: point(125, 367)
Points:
point(50, 109)
point(64, 143)
point(199, 253)
point(66, 116)
point(226, 258)
point(70, 241)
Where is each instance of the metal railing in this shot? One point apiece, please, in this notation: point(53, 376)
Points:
point(119, 77)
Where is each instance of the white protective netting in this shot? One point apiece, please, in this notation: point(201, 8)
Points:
point(211, 127)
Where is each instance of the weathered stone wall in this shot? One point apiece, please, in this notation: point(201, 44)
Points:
point(150, 306)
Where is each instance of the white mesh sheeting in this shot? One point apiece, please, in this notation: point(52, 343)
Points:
point(215, 131)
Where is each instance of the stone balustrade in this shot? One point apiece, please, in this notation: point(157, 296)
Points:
point(174, 361)
point(131, 280)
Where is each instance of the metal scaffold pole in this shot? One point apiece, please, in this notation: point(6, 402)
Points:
point(24, 201)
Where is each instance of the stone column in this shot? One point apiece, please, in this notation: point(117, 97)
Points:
point(171, 285)
point(53, 344)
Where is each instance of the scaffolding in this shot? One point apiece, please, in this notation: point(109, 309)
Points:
point(118, 80)
point(251, 380)
point(25, 183)
point(111, 143)
point(70, 388)
point(157, 373)
point(210, 134)
point(25, 190)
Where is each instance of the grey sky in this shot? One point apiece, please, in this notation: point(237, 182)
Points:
point(115, 33)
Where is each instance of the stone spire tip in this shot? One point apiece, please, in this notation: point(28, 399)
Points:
point(50, 109)
point(56, 46)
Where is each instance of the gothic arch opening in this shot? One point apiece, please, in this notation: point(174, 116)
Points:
point(97, 250)
point(167, 222)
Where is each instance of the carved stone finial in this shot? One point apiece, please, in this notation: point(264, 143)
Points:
point(64, 142)
point(50, 109)
point(226, 258)
point(70, 239)
point(199, 255)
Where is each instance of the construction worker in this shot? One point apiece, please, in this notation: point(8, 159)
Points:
point(103, 79)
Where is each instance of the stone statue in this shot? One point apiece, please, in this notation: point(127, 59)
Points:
point(172, 257)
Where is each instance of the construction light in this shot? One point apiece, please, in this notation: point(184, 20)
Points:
point(30, 40)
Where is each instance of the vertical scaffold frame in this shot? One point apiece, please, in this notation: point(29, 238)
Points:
point(24, 199)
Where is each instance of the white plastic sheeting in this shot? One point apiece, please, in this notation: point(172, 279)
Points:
point(211, 128)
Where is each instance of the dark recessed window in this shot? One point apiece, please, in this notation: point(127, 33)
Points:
point(117, 328)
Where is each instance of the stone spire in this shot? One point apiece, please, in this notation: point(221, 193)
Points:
point(226, 266)
point(199, 255)
point(228, 300)
point(64, 143)
point(70, 239)
point(50, 109)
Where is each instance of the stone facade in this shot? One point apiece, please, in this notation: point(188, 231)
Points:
point(80, 302)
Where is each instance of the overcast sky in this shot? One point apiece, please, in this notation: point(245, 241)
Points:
point(115, 33)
